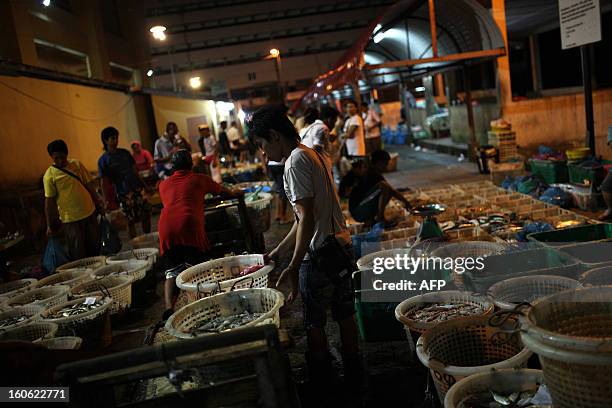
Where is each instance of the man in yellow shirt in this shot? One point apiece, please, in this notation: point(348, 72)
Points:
point(70, 203)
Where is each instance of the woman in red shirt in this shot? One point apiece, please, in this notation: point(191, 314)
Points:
point(182, 233)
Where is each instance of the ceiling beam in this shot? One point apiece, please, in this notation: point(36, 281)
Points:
point(498, 52)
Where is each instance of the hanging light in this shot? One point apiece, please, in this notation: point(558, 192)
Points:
point(274, 52)
point(159, 32)
point(379, 36)
point(46, 3)
point(195, 82)
point(150, 73)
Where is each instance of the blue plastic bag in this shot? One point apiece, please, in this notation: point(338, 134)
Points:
point(370, 239)
point(55, 255)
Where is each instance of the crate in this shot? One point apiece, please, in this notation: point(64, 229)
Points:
point(500, 171)
point(585, 176)
point(468, 234)
point(537, 215)
point(587, 233)
point(551, 171)
point(497, 138)
point(474, 185)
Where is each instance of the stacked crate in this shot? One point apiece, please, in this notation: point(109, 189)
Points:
point(505, 142)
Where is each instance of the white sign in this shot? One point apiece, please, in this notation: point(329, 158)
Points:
point(580, 22)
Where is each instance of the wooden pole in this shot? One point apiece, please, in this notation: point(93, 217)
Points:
point(470, 111)
point(432, 25)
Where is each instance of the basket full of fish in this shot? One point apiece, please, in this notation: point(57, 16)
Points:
point(223, 275)
point(226, 311)
point(143, 254)
point(117, 287)
point(83, 317)
point(16, 287)
point(70, 278)
point(506, 388)
point(20, 315)
point(135, 268)
point(421, 313)
point(45, 296)
point(92, 262)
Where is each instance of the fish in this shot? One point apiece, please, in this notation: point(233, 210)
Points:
point(439, 312)
point(223, 323)
point(494, 399)
point(74, 310)
point(12, 320)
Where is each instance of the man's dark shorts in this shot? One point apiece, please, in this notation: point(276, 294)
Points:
point(318, 294)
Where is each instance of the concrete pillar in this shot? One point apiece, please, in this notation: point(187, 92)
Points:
point(504, 89)
point(92, 25)
point(439, 82)
point(430, 102)
point(22, 29)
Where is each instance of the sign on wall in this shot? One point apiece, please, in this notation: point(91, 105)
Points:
point(580, 22)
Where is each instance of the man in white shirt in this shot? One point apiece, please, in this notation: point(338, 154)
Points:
point(371, 121)
point(309, 187)
point(163, 150)
point(237, 144)
point(353, 131)
point(315, 134)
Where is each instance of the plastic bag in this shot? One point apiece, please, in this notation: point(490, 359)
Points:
point(55, 255)
point(110, 243)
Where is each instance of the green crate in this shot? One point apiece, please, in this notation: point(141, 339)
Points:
point(567, 236)
point(552, 171)
point(376, 320)
point(578, 174)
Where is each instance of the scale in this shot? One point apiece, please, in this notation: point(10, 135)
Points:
point(429, 229)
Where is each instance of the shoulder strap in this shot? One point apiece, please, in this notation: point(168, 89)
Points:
point(71, 174)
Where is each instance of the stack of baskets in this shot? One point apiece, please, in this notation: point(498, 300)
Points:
point(256, 300)
point(222, 275)
point(505, 142)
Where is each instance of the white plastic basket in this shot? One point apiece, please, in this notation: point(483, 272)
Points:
point(71, 277)
point(135, 268)
point(30, 312)
point(256, 300)
point(143, 254)
point(367, 262)
point(117, 287)
point(14, 288)
point(31, 332)
point(508, 293)
point(93, 262)
point(221, 275)
point(458, 348)
point(46, 296)
point(505, 382)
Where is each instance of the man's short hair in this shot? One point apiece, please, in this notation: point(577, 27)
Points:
point(181, 160)
point(327, 112)
point(380, 156)
point(346, 102)
point(223, 123)
point(271, 117)
point(57, 146)
point(107, 133)
point(311, 115)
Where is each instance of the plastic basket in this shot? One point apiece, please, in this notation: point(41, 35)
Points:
point(258, 211)
point(221, 275)
point(601, 276)
point(93, 262)
point(596, 232)
point(541, 261)
point(70, 278)
point(587, 176)
point(13, 288)
point(135, 268)
point(504, 381)
point(467, 250)
point(47, 296)
point(508, 293)
point(551, 171)
point(150, 240)
point(30, 312)
point(117, 287)
point(571, 332)
point(143, 254)
point(375, 320)
point(31, 332)
point(256, 300)
point(367, 261)
point(92, 325)
point(458, 348)
point(448, 296)
point(590, 254)
point(63, 343)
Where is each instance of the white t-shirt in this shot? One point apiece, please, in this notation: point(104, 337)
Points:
point(233, 134)
point(372, 119)
point(305, 176)
point(356, 145)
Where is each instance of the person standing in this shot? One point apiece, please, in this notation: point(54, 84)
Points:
point(224, 145)
point(315, 134)
point(118, 167)
point(163, 149)
point(142, 157)
point(210, 150)
point(371, 122)
point(318, 218)
point(182, 231)
point(329, 116)
point(71, 203)
point(237, 143)
point(353, 131)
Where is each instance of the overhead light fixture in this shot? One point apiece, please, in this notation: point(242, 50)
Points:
point(159, 32)
point(319, 84)
point(46, 3)
point(328, 87)
point(195, 82)
point(379, 36)
point(150, 73)
point(420, 89)
point(274, 52)
point(378, 27)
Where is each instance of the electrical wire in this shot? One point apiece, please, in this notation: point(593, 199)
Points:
point(16, 90)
